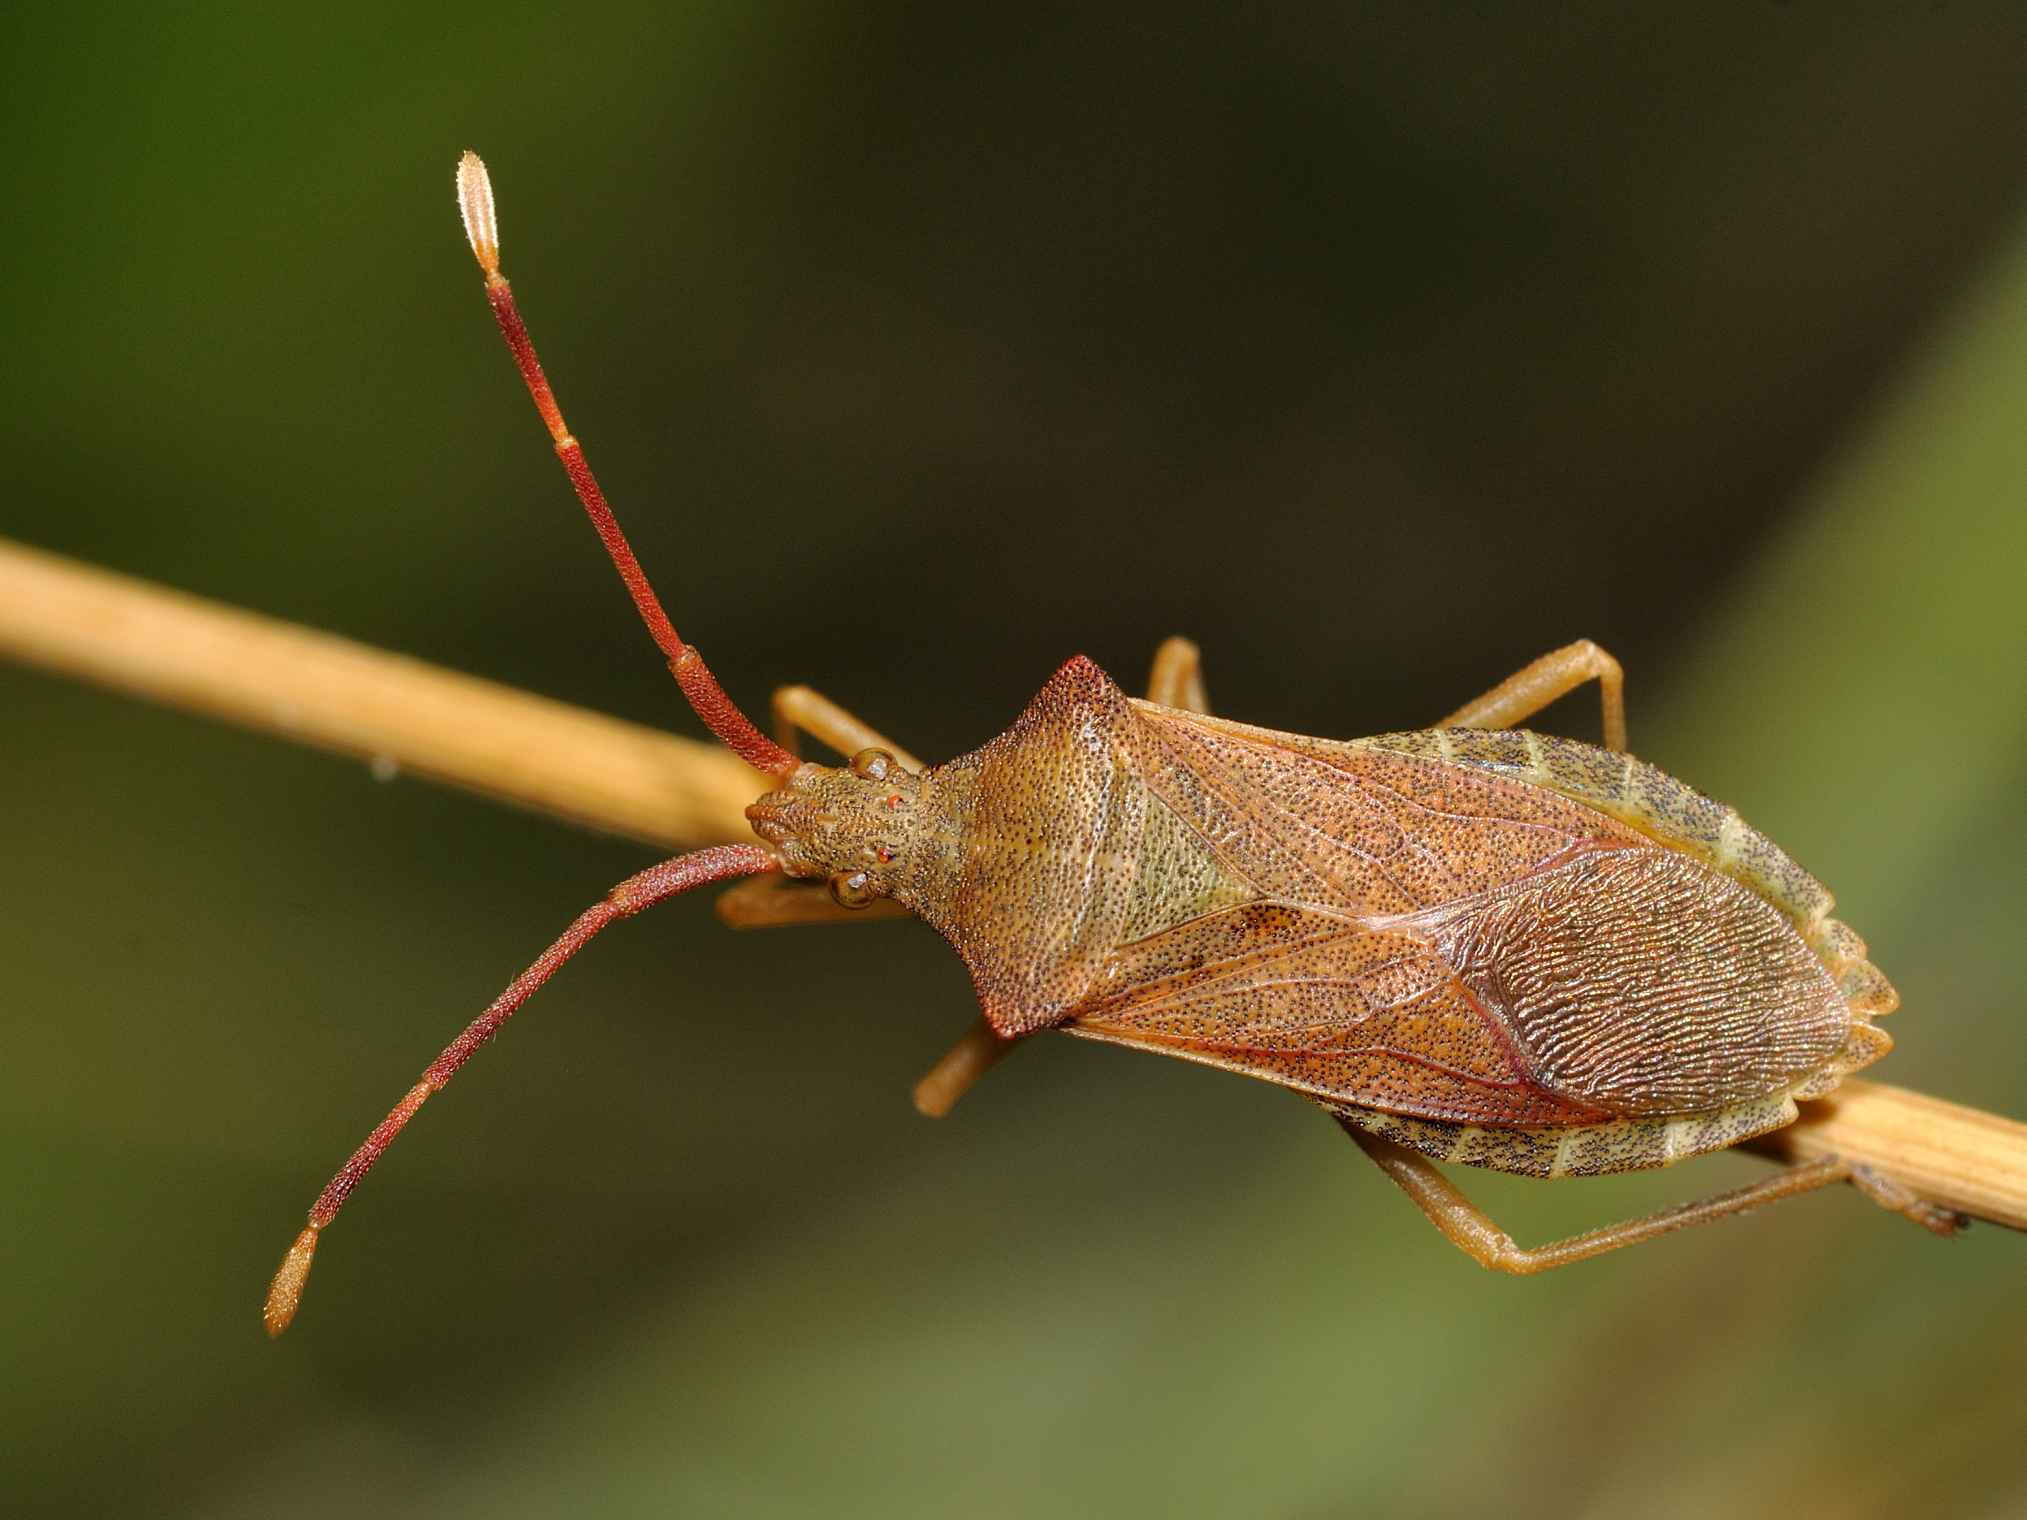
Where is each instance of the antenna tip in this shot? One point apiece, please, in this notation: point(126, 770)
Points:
point(475, 205)
point(286, 1291)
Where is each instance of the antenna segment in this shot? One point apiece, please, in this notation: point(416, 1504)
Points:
point(717, 710)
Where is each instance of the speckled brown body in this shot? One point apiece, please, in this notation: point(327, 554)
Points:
point(1497, 948)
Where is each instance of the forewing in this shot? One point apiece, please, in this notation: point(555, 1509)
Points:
point(1643, 982)
point(1364, 831)
point(1320, 1003)
point(1443, 943)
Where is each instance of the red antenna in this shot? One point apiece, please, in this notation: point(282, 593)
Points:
point(720, 714)
point(699, 868)
point(657, 884)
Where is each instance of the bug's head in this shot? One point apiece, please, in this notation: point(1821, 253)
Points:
point(852, 825)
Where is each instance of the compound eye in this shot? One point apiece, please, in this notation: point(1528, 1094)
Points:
point(872, 764)
point(853, 889)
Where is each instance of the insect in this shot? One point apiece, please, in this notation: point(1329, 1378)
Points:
point(1470, 943)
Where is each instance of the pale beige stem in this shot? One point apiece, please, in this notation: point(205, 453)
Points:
point(188, 653)
point(185, 652)
point(1962, 1158)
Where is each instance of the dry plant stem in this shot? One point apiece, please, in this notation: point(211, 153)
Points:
point(1962, 1158)
point(184, 652)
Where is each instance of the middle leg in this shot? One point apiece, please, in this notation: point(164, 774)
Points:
point(1528, 690)
point(1177, 679)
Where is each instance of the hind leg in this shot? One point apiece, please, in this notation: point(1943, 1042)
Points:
point(1903, 1200)
point(1468, 1228)
point(1527, 691)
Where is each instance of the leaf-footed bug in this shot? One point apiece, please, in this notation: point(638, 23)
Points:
point(1470, 943)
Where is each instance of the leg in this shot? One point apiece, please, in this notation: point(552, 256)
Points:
point(1528, 691)
point(1484, 1242)
point(799, 709)
point(768, 902)
point(1177, 679)
point(1889, 1194)
point(950, 1078)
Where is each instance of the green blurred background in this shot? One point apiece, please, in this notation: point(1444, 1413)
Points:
point(921, 350)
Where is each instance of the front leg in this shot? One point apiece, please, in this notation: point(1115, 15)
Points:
point(770, 902)
point(800, 710)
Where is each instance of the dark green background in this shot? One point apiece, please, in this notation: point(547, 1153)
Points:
point(921, 350)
